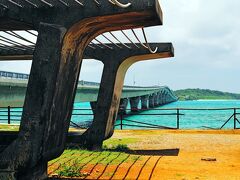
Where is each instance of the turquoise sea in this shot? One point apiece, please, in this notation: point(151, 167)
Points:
point(190, 119)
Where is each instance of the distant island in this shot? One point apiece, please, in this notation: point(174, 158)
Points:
point(196, 94)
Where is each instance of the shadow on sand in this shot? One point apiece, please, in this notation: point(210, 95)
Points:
point(161, 152)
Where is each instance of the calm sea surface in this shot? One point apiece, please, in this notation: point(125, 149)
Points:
point(190, 119)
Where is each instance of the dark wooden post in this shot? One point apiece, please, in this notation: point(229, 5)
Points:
point(9, 115)
point(121, 117)
point(178, 119)
point(234, 123)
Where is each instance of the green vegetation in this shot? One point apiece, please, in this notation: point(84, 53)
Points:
point(195, 94)
point(9, 127)
point(72, 170)
point(118, 148)
point(118, 144)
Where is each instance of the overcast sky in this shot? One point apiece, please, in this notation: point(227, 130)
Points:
point(207, 48)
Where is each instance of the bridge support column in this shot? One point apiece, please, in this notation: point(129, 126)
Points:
point(123, 106)
point(155, 100)
point(144, 102)
point(134, 101)
point(160, 98)
point(168, 99)
point(151, 101)
point(164, 97)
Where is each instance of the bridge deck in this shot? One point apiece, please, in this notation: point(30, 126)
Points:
point(86, 92)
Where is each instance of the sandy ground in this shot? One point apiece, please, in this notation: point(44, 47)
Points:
point(184, 155)
point(194, 148)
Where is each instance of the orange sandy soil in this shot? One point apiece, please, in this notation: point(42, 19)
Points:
point(161, 154)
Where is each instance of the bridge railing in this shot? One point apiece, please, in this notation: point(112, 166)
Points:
point(13, 75)
point(159, 118)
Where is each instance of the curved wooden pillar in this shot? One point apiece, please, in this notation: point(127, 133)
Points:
point(93, 106)
point(26, 153)
point(51, 91)
point(116, 64)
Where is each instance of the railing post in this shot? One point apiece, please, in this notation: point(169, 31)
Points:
point(234, 123)
point(121, 118)
point(178, 119)
point(9, 115)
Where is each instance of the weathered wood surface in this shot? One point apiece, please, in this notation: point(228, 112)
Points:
point(29, 17)
point(27, 152)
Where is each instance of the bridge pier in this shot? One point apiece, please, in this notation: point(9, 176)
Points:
point(123, 106)
point(155, 100)
point(168, 98)
point(144, 102)
point(160, 98)
point(134, 101)
point(151, 101)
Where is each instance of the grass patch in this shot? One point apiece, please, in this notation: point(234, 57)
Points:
point(119, 144)
point(73, 161)
point(118, 148)
point(72, 170)
point(5, 127)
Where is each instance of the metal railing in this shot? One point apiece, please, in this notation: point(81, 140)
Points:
point(136, 123)
point(177, 112)
point(9, 115)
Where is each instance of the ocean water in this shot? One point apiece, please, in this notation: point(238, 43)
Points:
point(190, 119)
point(161, 116)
